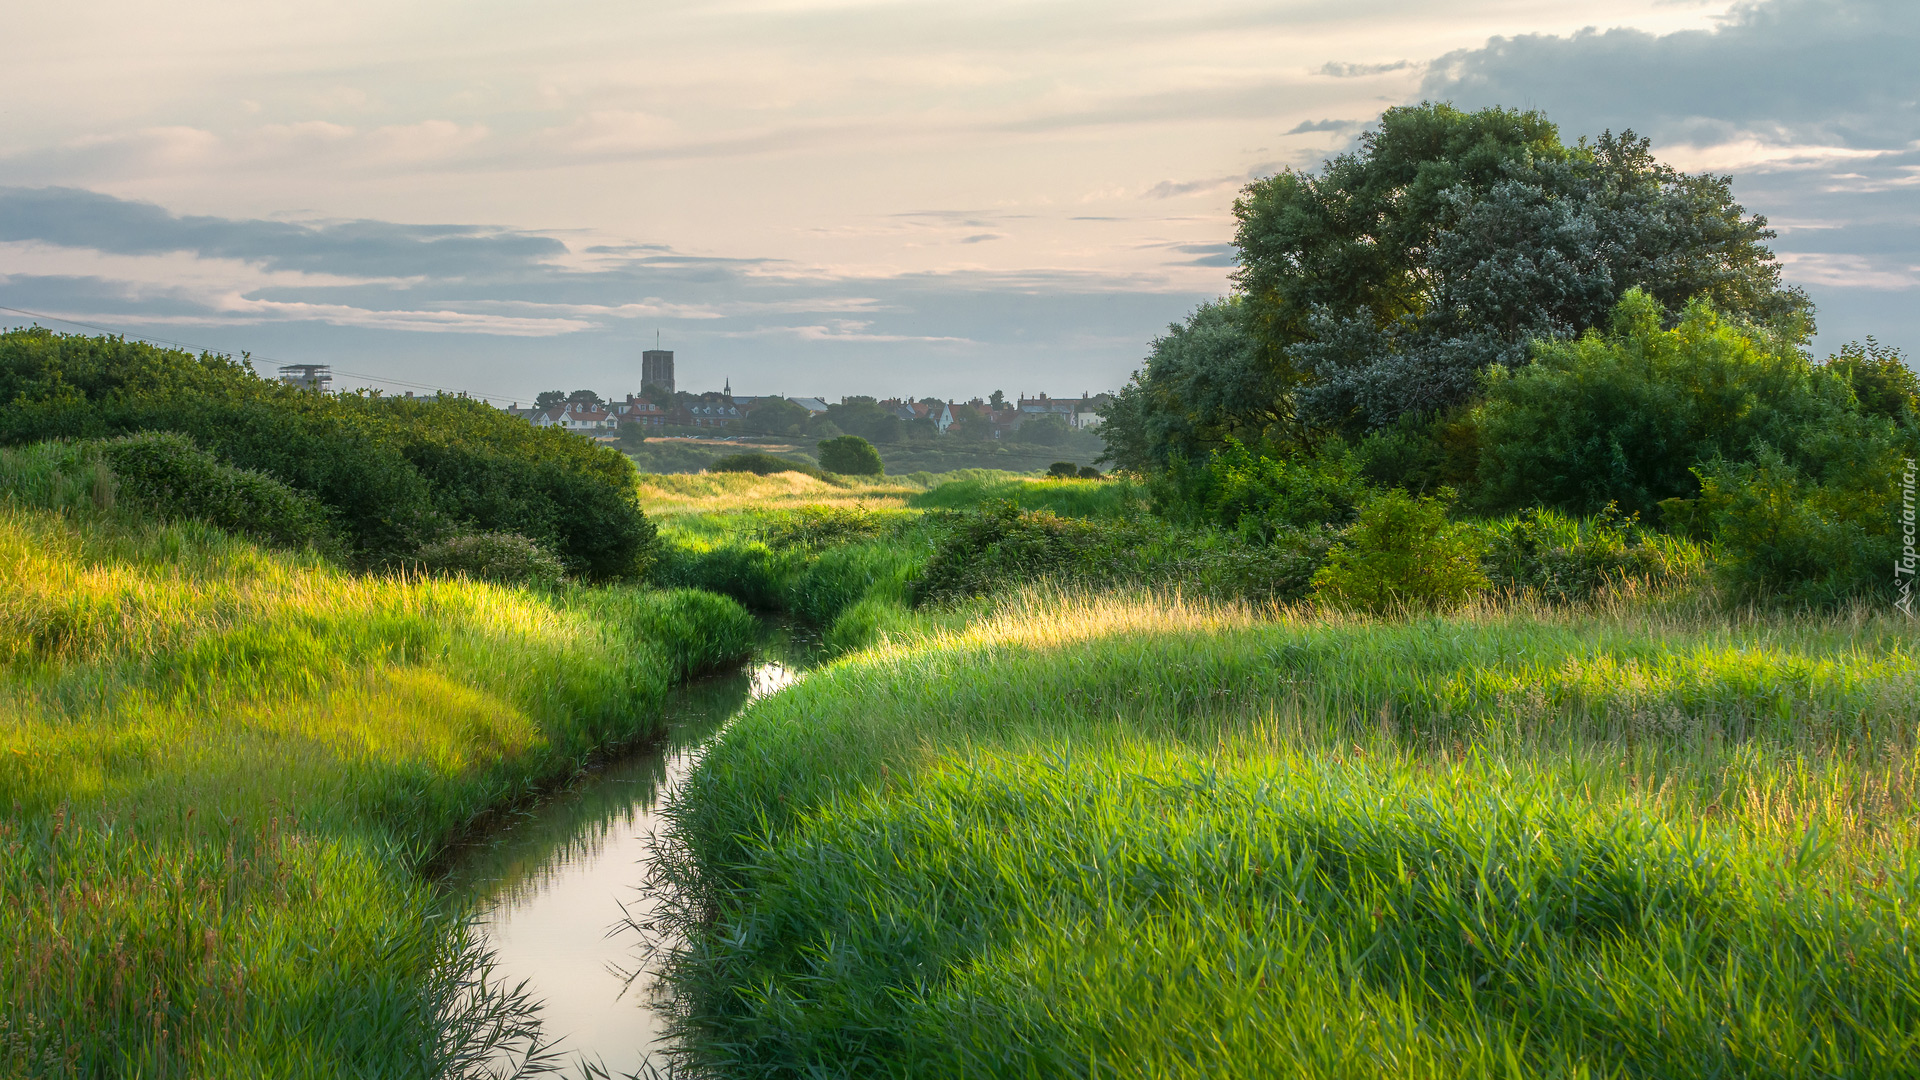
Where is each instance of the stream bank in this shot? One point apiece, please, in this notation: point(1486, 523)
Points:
point(554, 885)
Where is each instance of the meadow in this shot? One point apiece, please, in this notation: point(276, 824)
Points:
point(228, 771)
point(1121, 831)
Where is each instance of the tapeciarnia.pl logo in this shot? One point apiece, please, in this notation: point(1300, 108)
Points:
point(1903, 567)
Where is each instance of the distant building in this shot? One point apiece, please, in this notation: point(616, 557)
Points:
point(1078, 414)
point(639, 411)
point(578, 417)
point(656, 369)
point(306, 376)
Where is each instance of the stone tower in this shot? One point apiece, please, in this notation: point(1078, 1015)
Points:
point(656, 369)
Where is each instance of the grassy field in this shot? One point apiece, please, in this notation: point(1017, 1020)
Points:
point(1121, 833)
point(1069, 498)
point(225, 768)
point(675, 493)
point(1130, 836)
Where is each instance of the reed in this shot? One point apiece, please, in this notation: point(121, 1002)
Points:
point(224, 768)
point(1076, 834)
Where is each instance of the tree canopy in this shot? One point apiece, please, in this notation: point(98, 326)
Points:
point(1389, 281)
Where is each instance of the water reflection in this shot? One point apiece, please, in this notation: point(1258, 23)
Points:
point(552, 883)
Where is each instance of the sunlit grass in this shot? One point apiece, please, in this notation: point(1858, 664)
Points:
point(1068, 498)
point(223, 768)
point(676, 493)
point(1071, 834)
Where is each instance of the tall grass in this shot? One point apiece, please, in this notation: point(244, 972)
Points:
point(1073, 835)
point(222, 769)
point(1068, 498)
point(675, 493)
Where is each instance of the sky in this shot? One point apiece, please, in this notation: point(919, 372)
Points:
point(890, 197)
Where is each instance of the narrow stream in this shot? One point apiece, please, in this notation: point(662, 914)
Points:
point(551, 884)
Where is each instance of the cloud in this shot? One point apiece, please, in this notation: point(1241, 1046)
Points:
point(1209, 254)
point(70, 217)
point(1780, 72)
point(530, 308)
point(1812, 105)
point(1357, 71)
point(1309, 126)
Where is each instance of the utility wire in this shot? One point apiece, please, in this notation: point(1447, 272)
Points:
point(260, 357)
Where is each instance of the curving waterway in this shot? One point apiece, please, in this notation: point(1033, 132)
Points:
point(555, 885)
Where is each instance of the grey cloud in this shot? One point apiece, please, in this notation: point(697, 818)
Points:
point(1308, 126)
point(70, 217)
point(1209, 254)
point(1832, 72)
point(1355, 71)
point(530, 322)
point(979, 238)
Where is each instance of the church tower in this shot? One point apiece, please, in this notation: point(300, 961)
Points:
point(656, 369)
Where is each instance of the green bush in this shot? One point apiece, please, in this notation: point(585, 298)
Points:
point(760, 463)
point(1559, 558)
point(1624, 417)
point(1402, 554)
point(503, 557)
point(850, 455)
point(177, 479)
point(1778, 535)
point(1063, 469)
point(814, 527)
point(843, 576)
point(1001, 545)
point(749, 572)
point(1260, 495)
point(392, 473)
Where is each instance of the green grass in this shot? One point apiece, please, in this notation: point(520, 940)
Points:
point(1068, 498)
point(1111, 836)
point(224, 769)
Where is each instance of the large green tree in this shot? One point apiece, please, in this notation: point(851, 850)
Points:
point(1448, 241)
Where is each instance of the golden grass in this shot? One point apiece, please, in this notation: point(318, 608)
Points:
point(681, 493)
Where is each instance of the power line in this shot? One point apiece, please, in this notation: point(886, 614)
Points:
point(261, 357)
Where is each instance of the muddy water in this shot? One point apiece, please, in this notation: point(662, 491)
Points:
point(555, 886)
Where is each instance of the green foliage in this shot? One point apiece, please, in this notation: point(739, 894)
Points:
point(1624, 417)
point(1147, 841)
point(1402, 554)
point(749, 572)
point(850, 455)
point(1780, 535)
point(776, 416)
point(1203, 382)
point(1880, 379)
point(176, 479)
point(656, 456)
point(1000, 547)
point(1259, 495)
point(1045, 430)
point(1556, 558)
point(393, 473)
point(815, 527)
point(1450, 240)
point(225, 772)
point(503, 557)
point(761, 463)
point(1065, 470)
point(1068, 498)
point(846, 574)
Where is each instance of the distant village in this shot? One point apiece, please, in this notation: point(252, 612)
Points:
point(660, 406)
